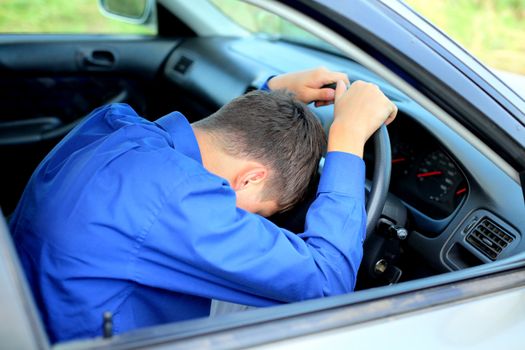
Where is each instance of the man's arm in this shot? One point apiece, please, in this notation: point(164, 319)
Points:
point(358, 111)
point(229, 254)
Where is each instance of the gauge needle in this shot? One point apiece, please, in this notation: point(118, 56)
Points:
point(398, 160)
point(461, 191)
point(430, 173)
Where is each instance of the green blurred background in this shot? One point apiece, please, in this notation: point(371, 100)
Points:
point(60, 16)
point(493, 30)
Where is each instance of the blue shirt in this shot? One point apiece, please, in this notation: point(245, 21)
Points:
point(122, 216)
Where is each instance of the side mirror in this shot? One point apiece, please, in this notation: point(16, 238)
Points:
point(131, 11)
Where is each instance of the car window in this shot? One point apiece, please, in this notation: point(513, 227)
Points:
point(259, 21)
point(63, 17)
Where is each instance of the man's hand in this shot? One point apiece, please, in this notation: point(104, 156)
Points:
point(306, 85)
point(358, 113)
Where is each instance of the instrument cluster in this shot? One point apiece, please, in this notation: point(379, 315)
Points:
point(424, 173)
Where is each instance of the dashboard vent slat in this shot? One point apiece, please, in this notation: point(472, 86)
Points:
point(489, 238)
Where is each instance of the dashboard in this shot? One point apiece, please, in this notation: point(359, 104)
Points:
point(463, 210)
point(424, 174)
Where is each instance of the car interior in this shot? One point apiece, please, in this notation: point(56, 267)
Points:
point(449, 207)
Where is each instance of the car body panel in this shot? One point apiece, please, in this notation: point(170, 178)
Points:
point(485, 323)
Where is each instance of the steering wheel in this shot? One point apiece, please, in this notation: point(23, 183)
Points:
point(381, 178)
point(294, 219)
point(374, 206)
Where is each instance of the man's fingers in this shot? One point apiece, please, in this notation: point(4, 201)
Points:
point(340, 89)
point(323, 103)
point(331, 77)
point(319, 86)
point(392, 115)
point(325, 94)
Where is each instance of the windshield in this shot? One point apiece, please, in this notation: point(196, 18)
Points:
point(261, 22)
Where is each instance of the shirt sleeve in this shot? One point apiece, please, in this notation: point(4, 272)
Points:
point(264, 86)
point(201, 244)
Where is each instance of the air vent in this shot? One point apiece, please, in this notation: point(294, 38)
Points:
point(489, 238)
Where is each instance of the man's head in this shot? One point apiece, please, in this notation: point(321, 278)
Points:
point(267, 145)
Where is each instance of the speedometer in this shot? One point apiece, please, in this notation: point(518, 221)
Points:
point(427, 179)
point(438, 179)
point(424, 174)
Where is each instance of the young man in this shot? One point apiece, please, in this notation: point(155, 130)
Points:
point(152, 220)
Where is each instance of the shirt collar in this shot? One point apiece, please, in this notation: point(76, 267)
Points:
point(181, 134)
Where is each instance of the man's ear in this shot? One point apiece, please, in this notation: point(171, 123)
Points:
point(251, 175)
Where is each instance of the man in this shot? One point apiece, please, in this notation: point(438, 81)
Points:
point(152, 220)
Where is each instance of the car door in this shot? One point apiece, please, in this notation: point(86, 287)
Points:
point(58, 62)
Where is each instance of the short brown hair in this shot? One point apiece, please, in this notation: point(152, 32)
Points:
point(277, 130)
